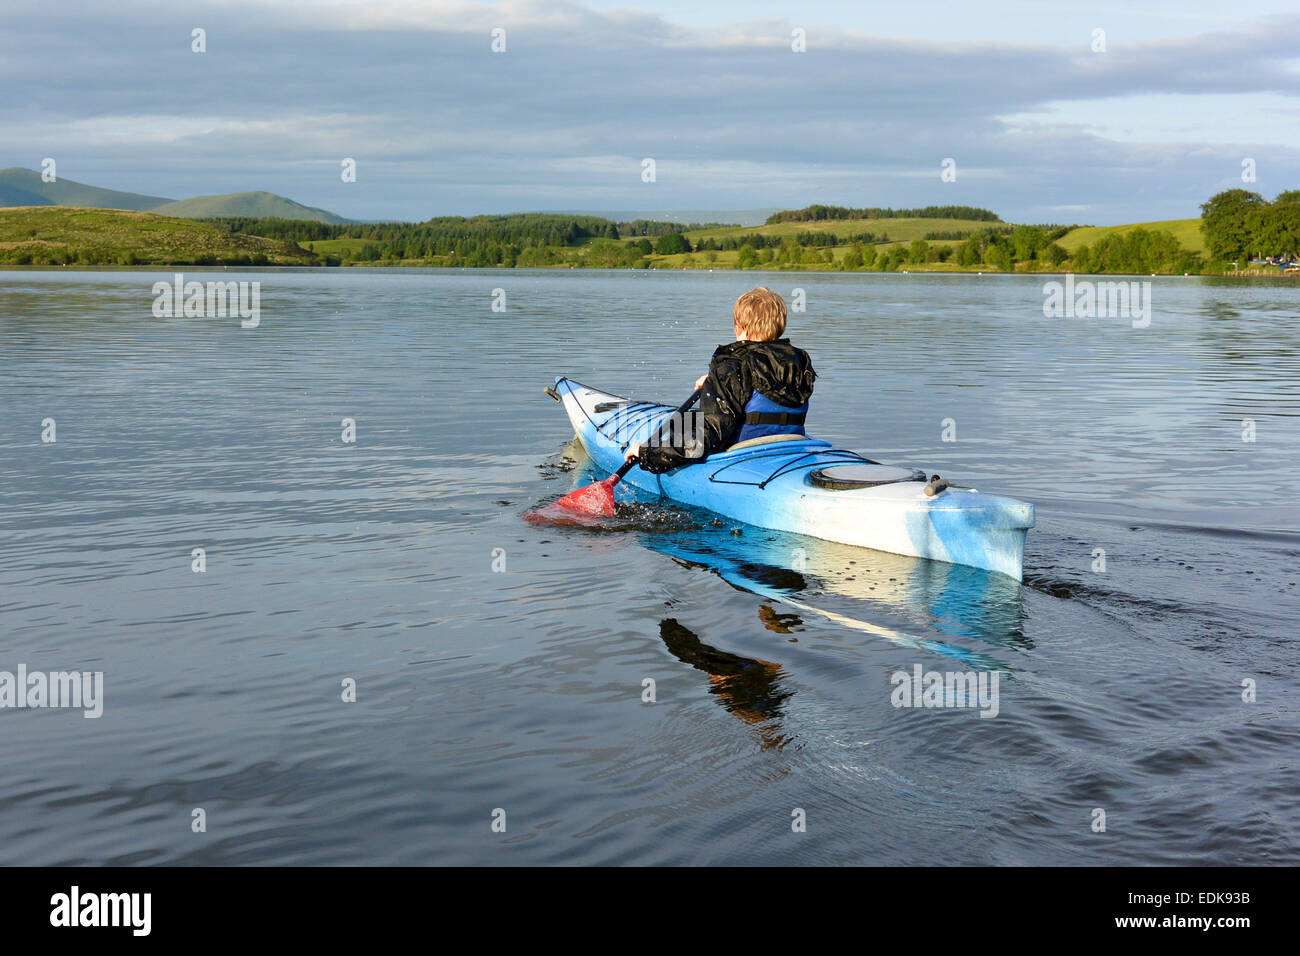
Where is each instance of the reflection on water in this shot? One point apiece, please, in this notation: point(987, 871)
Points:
point(778, 623)
point(749, 689)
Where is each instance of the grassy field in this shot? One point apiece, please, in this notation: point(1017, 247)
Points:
point(1186, 231)
point(727, 260)
point(68, 234)
point(898, 230)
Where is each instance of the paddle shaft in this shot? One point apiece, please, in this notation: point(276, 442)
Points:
point(680, 410)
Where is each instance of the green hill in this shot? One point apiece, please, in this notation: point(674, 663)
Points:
point(1186, 231)
point(54, 235)
point(898, 230)
point(255, 205)
point(18, 186)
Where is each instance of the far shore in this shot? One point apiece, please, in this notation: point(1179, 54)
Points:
point(1028, 273)
point(931, 241)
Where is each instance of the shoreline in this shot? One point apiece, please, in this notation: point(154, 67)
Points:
point(193, 267)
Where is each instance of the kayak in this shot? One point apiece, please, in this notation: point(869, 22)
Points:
point(924, 603)
point(804, 485)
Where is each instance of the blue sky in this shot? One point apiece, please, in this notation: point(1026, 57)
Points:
point(1042, 127)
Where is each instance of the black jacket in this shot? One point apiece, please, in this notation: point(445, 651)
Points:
point(776, 369)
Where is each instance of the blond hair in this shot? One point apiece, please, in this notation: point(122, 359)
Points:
point(760, 313)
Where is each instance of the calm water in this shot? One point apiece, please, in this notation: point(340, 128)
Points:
point(521, 689)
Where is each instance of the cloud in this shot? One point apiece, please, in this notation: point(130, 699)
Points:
point(440, 124)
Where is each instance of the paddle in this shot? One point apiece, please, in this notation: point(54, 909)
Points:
point(598, 499)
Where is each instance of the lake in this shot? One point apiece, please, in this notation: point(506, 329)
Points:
point(1148, 665)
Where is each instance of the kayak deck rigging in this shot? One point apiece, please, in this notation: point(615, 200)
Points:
point(820, 458)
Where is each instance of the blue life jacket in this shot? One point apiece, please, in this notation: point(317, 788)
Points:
point(765, 417)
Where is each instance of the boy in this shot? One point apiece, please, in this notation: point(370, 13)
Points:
point(757, 386)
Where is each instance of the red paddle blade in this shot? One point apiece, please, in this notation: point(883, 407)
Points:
point(597, 499)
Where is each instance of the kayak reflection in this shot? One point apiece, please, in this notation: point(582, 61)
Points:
point(947, 599)
point(912, 602)
point(748, 688)
point(778, 623)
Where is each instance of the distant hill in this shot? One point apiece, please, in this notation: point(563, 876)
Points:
point(13, 196)
point(18, 186)
point(24, 187)
point(256, 205)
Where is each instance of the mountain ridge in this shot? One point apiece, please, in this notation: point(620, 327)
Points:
point(258, 204)
point(25, 187)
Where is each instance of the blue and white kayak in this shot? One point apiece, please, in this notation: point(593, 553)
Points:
point(804, 485)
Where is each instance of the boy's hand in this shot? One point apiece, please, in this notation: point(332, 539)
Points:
point(633, 451)
point(699, 382)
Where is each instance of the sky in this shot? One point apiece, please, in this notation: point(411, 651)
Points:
point(1040, 125)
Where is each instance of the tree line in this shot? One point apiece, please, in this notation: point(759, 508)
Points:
point(819, 212)
point(1240, 225)
point(657, 227)
point(436, 236)
point(444, 232)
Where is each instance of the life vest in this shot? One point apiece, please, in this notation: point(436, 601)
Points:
point(765, 417)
